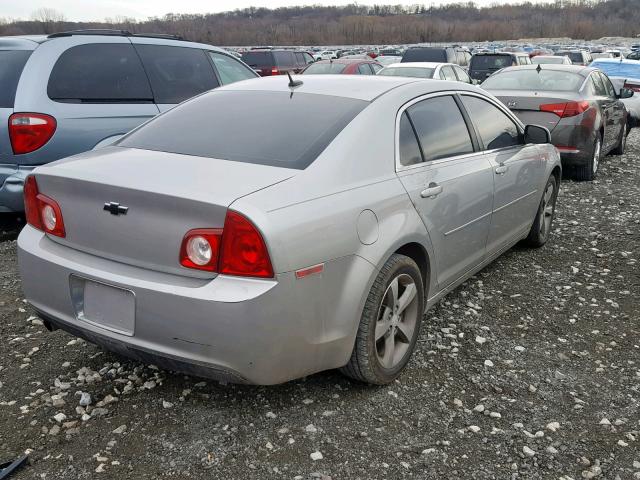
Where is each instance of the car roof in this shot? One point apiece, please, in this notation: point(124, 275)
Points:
point(420, 65)
point(358, 87)
point(30, 42)
point(347, 61)
point(579, 69)
point(617, 60)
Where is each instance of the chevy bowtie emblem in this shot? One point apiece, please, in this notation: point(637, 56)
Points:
point(115, 208)
point(512, 104)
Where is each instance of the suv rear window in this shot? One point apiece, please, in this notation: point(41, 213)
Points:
point(99, 73)
point(11, 64)
point(425, 55)
point(260, 127)
point(257, 59)
point(284, 59)
point(490, 62)
point(177, 73)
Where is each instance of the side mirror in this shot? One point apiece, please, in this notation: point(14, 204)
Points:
point(536, 134)
point(626, 93)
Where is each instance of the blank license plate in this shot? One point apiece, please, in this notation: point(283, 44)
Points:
point(105, 306)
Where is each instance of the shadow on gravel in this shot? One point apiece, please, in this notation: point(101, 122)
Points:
point(10, 226)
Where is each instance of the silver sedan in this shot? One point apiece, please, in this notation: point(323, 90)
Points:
point(271, 229)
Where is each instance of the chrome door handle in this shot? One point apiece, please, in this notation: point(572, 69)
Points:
point(502, 169)
point(432, 191)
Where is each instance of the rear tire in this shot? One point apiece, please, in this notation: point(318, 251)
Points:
point(390, 323)
point(541, 228)
point(590, 170)
point(622, 143)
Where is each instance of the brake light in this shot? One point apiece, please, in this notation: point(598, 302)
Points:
point(30, 131)
point(275, 71)
point(238, 249)
point(631, 86)
point(42, 212)
point(568, 109)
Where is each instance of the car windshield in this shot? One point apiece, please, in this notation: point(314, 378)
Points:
point(281, 129)
point(490, 62)
point(619, 69)
point(417, 72)
point(319, 68)
point(532, 79)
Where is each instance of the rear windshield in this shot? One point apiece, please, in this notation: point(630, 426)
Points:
point(263, 127)
point(491, 62)
point(425, 55)
point(11, 64)
point(549, 80)
point(325, 68)
point(257, 59)
point(407, 72)
point(548, 60)
point(575, 57)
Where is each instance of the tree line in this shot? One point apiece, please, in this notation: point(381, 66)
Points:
point(363, 25)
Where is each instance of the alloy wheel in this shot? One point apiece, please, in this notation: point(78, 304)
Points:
point(396, 321)
point(546, 212)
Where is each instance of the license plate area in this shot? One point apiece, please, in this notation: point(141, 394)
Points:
point(102, 305)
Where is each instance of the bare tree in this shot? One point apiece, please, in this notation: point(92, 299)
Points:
point(49, 18)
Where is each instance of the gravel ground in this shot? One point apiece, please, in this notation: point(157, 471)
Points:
point(531, 369)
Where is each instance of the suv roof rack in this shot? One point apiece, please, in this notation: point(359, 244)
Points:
point(113, 32)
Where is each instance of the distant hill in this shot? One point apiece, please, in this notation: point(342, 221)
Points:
point(380, 24)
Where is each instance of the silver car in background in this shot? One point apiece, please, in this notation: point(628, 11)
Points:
point(433, 70)
point(310, 230)
point(579, 105)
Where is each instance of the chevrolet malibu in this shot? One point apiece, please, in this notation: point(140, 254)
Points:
point(271, 229)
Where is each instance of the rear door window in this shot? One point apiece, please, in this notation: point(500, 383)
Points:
point(259, 127)
point(177, 73)
point(598, 85)
point(12, 63)
point(229, 69)
point(494, 127)
point(447, 73)
point(441, 129)
point(364, 69)
point(99, 73)
point(284, 59)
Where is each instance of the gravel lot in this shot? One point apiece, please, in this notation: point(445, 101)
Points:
point(531, 369)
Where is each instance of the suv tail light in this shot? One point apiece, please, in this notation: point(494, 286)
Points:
point(238, 249)
point(568, 109)
point(41, 211)
point(30, 131)
point(275, 71)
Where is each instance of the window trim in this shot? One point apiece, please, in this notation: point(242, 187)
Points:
point(470, 126)
point(472, 134)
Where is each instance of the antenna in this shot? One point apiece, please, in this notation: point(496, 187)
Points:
point(538, 69)
point(293, 83)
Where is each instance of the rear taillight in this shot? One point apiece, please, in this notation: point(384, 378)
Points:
point(42, 212)
point(275, 71)
point(631, 86)
point(568, 109)
point(30, 131)
point(238, 249)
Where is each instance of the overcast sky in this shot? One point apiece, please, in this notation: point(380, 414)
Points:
point(141, 9)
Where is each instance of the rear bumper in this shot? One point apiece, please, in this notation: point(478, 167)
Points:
point(11, 188)
point(233, 329)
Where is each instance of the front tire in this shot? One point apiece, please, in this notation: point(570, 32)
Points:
point(390, 323)
point(590, 170)
point(541, 228)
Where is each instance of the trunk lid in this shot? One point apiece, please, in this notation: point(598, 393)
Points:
point(526, 105)
point(166, 194)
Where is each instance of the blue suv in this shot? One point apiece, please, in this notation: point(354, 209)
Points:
point(70, 92)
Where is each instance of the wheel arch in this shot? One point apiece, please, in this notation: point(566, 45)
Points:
point(418, 254)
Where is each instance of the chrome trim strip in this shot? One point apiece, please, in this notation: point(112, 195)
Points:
point(467, 224)
point(515, 201)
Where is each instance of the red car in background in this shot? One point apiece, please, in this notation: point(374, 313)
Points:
point(343, 66)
